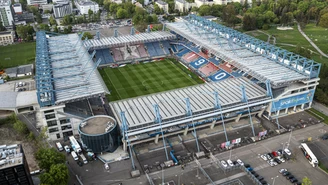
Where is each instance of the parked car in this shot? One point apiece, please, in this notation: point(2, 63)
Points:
point(298, 183)
point(325, 137)
point(249, 169)
point(281, 159)
point(283, 170)
point(279, 152)
point(271, 155)
point(106, 165)
point(230, 162)
point(285, 156)
point(289, 177)
point(252, 172)
point(287, 151)
point(271, 163)
point(277, 160)
point(264, 157)
point(80, 163)
point(67, 149)
point(268, 156)
point(255, 175)
point(247, 165)
point(260, 178)
point(293, 180)
point(275, 154)
point(286, 173)
point(224, 163)
point(240, 162)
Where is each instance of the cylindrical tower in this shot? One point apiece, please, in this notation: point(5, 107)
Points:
point(99, 133)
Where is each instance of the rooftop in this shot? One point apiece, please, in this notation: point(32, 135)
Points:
point(5, 2)
point(5, 32)
point(259, 59)
point(139, 111)
point(128, 39)
point(11, 155)
point(12, 100)
point(97, 125)
point(64, 70)
point(161, 2)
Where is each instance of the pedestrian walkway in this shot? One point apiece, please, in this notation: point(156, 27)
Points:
point(308, 39)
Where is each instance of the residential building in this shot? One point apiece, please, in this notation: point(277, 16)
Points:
point(17, 8)
point(183, 5)
point(85, 6)
point(6, 13)
point(163, 5)
point(7, 37)
point(37, 2)
point(13, 166)
point(61, 9)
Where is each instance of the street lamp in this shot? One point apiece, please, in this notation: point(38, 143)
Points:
point(274, 179)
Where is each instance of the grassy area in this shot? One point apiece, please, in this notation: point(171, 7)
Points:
point(146, 78)
point(318, 115)
point(323, 167)
point(318, 35)
point(17, 54)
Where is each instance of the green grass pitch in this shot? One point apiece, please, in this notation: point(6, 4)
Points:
point(146, 78)
point(17, 54)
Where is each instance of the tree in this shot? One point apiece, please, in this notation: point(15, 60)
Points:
point(52, 21)
point(155, 19)
point(249, 22)
point(44, 27)
point(58, 175)
point(324, 20)
point(121, 13)
point(24, 31)
point(302, 51)
point(56, 29)
point(38, 17)
point(48, 157)
point(113, 8)
point(69, 28)
point(229, 15)
point(66, 20)
point(87, 35)
point(157, 10)
point(204, 10)
point(306, 181)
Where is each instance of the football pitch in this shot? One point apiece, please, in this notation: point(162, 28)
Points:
point(17, 54)
point(146, 78)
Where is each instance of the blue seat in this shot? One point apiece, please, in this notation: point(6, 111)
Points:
point(158, 49)
point(151, 50)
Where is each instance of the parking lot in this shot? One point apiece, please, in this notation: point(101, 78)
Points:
point(248, 151)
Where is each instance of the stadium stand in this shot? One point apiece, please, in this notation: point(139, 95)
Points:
point(174, 49)
point(215, 61)
point(141, 49)
point(117, 54)
point(227, 67)
point(237, 73)
point(159, 50)
point(166, 46)
point(203, 55)
point(190, 57)
point(198, 63)
point(220, 75)
point(208, 69)
point(151, 50)
point(182, 52)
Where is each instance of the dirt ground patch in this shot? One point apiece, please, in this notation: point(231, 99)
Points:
point(9, 136)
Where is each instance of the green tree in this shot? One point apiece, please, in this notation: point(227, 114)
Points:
point(38, 17)
point(121, 13)
point(157, 10)
point(229, 15)
point(22, 31)
point(52, 21)
point(56, 29)
point(58, 175)
point(20, 127)
point(87, 35)
point(113, 8)
point(66, 20)
point(324, 20)
point(44, 27)
point(306, 181)
point(249, 21)
point(69, 28)
point(204, 10)
point(32, 9)
point(155, 19)
point(130, 8)
point(49, 156)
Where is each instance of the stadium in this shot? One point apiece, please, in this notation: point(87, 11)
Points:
point(193, 74)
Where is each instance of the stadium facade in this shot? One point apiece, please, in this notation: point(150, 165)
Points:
point(244, 77)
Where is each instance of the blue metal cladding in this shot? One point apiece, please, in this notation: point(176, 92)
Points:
point(288, 59)
point(292, 101)
point(43, 71)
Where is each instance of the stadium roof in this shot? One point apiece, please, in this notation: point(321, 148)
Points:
point(65, 71)
point(11, 100)
point(259, 59)
point(128, 39)
point(139, 111)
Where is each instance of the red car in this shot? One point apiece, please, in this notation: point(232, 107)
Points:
point(274, 153)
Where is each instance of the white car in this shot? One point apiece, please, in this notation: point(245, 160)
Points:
point(230, 162)
point(287, 151)
point(106, 165)
point(264, 157)
point(281, 159)
point(282, 170)
point(67, 149)
point(240, 162)
point(224, 163)
point(270, 163)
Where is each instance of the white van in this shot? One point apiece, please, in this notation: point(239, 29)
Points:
point(75, 157)
point(83, 159)
point(59, 146)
